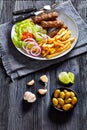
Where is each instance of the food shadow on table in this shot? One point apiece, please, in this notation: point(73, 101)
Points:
point(26, 106)
point(58, 116)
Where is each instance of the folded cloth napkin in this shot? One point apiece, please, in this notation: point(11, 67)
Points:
point(17, 65)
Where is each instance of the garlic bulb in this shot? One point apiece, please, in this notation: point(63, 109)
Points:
point(29, 97)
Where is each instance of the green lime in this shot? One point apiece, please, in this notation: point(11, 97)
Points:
point(71, 77)
point(64, 78)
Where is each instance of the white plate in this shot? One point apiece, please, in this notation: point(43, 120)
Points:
point(74, 33)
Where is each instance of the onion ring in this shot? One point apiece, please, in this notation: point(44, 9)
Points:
point(35, 51)
point(29, 39)
point(29, 46)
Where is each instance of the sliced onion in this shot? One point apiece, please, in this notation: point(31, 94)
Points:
point(35, 51)
point(29, 39)
point(43, 35)
point(31, 44)
point(24, 45)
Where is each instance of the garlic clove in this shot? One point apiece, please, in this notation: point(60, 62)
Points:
point(29, 97)
point(42, 91)
point(30, 83)
point(44, 78)
point(32, 99)
point(26, 95)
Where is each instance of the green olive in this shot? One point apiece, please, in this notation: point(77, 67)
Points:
point(72, 106)
point(58, 106)
point(68, 100)
point(74, 100)
point(57, 93)
point(61, 101)
point(62, 95)
point(67, 107)
point(55, 101)
point(72, 94)
point(67, 95)
point(65, 91)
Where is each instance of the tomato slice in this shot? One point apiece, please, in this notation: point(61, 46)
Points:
point(26, 35)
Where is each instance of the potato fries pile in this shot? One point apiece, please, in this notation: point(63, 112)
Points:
point(58, 44)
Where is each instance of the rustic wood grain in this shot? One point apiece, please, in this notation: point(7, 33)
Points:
point(16, 114)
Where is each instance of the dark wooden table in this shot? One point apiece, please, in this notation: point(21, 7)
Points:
point(14, 115)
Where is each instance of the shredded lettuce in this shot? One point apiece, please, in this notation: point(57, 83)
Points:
point(27, 26)
point(17, 42)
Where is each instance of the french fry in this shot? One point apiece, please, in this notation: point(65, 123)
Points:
point(58, 35)
point(52, 50)
point(42, 42)
point(61, 48)
point(45, 53)
point(61, 30)
point(62, 34)
point(72, 39)
point(48, 45)
point(64, 42)
point(45, 48)
point(51, 40)
point(58, 44)
point(59, 52)
point(66, 36)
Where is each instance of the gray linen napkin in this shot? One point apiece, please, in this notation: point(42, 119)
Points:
point(17, 65)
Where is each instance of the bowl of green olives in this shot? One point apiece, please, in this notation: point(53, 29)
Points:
point(64, 99)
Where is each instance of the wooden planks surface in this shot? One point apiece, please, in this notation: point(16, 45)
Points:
point(14, 114)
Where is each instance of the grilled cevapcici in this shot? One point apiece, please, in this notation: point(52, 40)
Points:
point(45, 17)
point(52, 24)
point(53, 32)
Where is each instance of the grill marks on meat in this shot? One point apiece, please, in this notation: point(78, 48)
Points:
point(51, 24)
point(45, 17)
